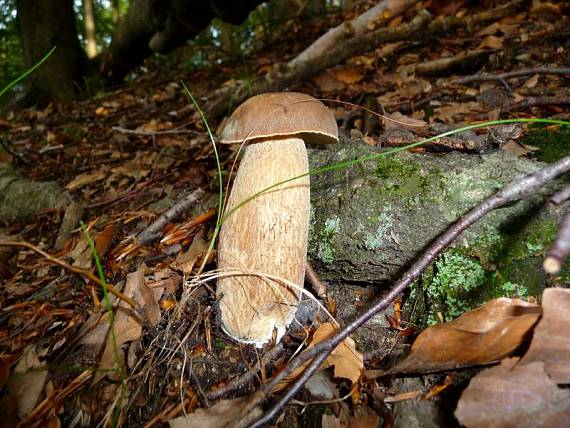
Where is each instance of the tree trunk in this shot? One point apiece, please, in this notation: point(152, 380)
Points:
point(116, 11)
point(42, 25)
point(89, 18)
point(150, 26)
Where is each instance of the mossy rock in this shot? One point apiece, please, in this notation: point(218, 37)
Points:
point(371, 220)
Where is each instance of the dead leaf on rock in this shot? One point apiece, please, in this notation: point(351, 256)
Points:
point(551, 339)
point(81, 253)
point(481, 336)
point(522, 397)
point(347, 361)
point(397, 120)
point(224, 414)
point(515, 148)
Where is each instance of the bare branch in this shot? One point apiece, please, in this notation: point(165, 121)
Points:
point(152, 232)
point(557, 254)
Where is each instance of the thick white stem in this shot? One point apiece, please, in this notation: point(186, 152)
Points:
point(268, 234)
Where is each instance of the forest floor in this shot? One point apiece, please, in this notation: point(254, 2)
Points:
point(127, 155)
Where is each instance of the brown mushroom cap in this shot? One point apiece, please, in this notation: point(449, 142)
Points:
point(281, 115)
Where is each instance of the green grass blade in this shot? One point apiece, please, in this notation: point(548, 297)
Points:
point(27, 72)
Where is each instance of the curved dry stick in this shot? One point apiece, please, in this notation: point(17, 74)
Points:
point(89, 275)
point(518, 189)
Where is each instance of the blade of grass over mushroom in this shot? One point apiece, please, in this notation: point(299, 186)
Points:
point(347, 163)
point(26, 73)
point(109, 309)
point(220, 179)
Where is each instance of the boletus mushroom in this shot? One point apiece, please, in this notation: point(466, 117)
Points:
point(268, 235)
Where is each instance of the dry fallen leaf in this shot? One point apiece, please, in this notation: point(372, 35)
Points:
point(327, 82)
point(347, 361)
point(224, 414)
point(397, 120)
point(492, 42)
point(551, 338)
point(455, 112)
point(85, 179)
point(515, 148)
point(481, 336)
point(127, 323)
point(27, 381)
point(349, 75)
point(197, 250)
point(365, 417)
point(522, 396)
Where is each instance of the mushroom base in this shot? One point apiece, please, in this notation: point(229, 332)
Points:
point(263, 244)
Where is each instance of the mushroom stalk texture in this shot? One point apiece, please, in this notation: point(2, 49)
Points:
point(267, 235)
point(265, 239)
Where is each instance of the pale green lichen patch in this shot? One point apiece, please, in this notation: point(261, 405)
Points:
point(455, 279)
point(325, 250)
point(383, 225)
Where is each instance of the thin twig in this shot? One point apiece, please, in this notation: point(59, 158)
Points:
point(89, 275)
point(14, 153)
point(561, 196)
point(312, 278)
point(558, 252)
point(520, 188)
point(153, 133)
point(516, 73)
point(54, 400)
point(535, 102)
point(248, 376)
point(152, 232)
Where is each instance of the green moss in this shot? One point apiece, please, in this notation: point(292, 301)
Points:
point(539, 234)
point(553, 144)
point(400, 176)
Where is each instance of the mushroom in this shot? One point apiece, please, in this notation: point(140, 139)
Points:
point(264, 241)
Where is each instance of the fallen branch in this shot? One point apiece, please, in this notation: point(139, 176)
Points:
point(152, 232)
point(520, 188)
point(535, 102)
point(153, 133)
point(516, 73)
point(374, 17)
point(287, 75)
